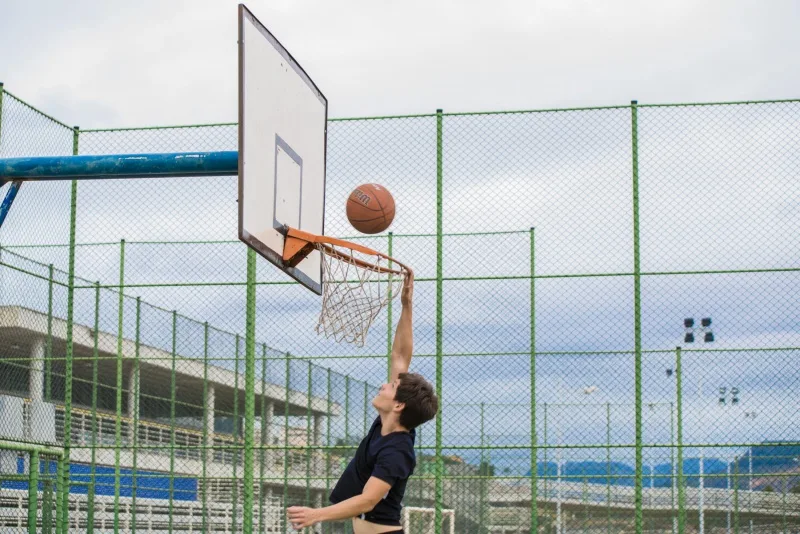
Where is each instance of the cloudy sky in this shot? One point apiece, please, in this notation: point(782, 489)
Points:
point(106, 64)
point(115, 64)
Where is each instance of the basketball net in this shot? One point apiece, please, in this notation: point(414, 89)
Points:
point(354, 291)
point(358, 283)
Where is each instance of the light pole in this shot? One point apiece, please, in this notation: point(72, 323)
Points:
point(700, 504)
point(728, 514)
point(734, 401)
point(672, 475)
point(708, 337)
point(559, 520)
point(751, 416)
point(672, 465)
point(565, 394)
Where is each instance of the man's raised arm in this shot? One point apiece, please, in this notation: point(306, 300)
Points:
point(403, 344)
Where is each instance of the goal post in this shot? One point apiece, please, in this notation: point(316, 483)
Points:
point(418, 519)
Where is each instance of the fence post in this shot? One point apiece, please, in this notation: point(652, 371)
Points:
point(249, 390)
point(33, 491)
point(546, 450)
point(172, 399)
point(135, 414)
point(534, 437)
point(47, 498)
point(672, 466)
point(389, 318)
point(70, 349)
point(366, 408)
point(286, 440)
point(439, 324)
point(309, 439)
point(679, 420)
point(328, 442)
point(206, 432)
point(48, 355)
point(265, 441)
point(637, 305)
point(608, 467)
point(736, 495)
point(59, 488)
point(118, 420)
point(95, 372)
point(483, 472)
point(236, 445)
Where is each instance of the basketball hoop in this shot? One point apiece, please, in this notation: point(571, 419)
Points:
point(357, 282)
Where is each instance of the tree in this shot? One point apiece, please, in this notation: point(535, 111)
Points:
point(486, 469)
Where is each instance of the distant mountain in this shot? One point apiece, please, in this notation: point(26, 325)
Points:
point(768, 461)
point(595, 472)
point(775, 467)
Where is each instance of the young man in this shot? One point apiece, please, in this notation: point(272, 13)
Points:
point(370, 491)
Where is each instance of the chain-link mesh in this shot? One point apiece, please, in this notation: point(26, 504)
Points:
point(557, 256)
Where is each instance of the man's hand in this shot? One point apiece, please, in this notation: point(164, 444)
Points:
point(407, 295)
point(376, 489)
point(301, 517)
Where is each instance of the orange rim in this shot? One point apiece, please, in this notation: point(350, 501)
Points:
point(297, 240)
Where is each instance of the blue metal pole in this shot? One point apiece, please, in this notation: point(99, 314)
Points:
point(12, 191)
point(11, 194)
point(115, 166)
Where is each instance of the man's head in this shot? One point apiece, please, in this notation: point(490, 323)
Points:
point(410, 396)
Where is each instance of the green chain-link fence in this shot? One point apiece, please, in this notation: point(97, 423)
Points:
point(557, 256)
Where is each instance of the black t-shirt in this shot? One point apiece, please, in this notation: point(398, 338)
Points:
point(390, 458)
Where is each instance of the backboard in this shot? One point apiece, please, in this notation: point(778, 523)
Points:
point(282, 145)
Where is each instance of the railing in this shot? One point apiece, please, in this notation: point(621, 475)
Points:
point(152, 515)
point(714, 499)
point(155, 438)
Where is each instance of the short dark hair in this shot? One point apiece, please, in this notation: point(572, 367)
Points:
point(420, 400)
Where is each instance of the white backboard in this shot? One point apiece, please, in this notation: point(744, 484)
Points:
point(282, 144)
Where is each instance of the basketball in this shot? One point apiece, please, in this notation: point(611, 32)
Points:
point(370, 208)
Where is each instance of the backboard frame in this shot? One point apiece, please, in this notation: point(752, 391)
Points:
point(312, 280)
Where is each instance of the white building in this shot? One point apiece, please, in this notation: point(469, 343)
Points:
point(206, 463)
